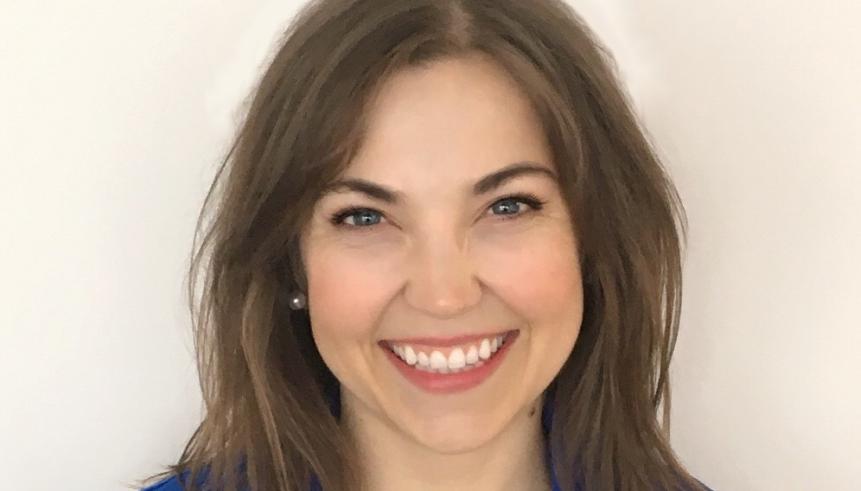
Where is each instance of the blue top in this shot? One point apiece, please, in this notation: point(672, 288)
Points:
point(173, 484)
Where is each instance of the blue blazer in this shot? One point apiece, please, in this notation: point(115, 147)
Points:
point(173, 483)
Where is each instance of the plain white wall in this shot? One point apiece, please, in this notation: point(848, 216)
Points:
point(113, 116)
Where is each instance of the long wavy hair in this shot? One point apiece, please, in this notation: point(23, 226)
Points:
point(267, 423)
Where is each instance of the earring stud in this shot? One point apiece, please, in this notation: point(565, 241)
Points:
point(298, 301)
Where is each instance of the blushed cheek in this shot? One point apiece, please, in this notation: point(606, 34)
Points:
point(540, 277)
point(346, 290)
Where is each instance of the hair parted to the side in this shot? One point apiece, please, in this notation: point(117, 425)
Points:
point(267, 425)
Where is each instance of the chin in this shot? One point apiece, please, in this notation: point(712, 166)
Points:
point(453, 434)
point(455, 443)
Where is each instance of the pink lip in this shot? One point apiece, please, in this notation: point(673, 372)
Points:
point(447, 383)
point(446, 342)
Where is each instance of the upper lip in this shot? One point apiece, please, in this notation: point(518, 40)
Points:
point(450, 341)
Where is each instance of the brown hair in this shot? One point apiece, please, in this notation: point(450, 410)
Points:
point(262, 379)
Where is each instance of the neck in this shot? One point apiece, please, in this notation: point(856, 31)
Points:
point(391, 461)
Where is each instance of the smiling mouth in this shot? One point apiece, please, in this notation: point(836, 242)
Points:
point(461, 357)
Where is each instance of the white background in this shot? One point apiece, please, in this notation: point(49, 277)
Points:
point(113, 116)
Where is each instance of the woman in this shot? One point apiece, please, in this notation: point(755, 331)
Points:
point(442, 256)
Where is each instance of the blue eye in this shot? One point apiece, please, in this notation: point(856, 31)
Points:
point(364, 217)
point(368, 217)
point(513, 203)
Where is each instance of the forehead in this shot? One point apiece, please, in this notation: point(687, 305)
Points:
point(454, 119)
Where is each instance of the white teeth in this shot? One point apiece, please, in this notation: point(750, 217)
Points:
point(484, 349)
point(456, 359)
point(472, 355)
point(438, 361)
point(410, 356)
point(424, 361)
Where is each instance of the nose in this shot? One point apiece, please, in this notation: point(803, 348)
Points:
point(441, 281)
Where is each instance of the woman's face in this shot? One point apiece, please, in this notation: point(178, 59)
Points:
point(432, 255)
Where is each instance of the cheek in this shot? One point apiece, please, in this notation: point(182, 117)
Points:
point(542, 283)
point(538, 274)
point(347, 291)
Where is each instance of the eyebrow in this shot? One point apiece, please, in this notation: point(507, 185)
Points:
point(484, 185)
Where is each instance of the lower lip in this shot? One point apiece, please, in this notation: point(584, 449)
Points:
point(447, 383)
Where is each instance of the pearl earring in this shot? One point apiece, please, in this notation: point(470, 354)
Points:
point(297, 301)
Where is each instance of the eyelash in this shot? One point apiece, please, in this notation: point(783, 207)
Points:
point(531, 200)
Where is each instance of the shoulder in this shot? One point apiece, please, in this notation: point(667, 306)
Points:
point(171, 483)
point(177, 481)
